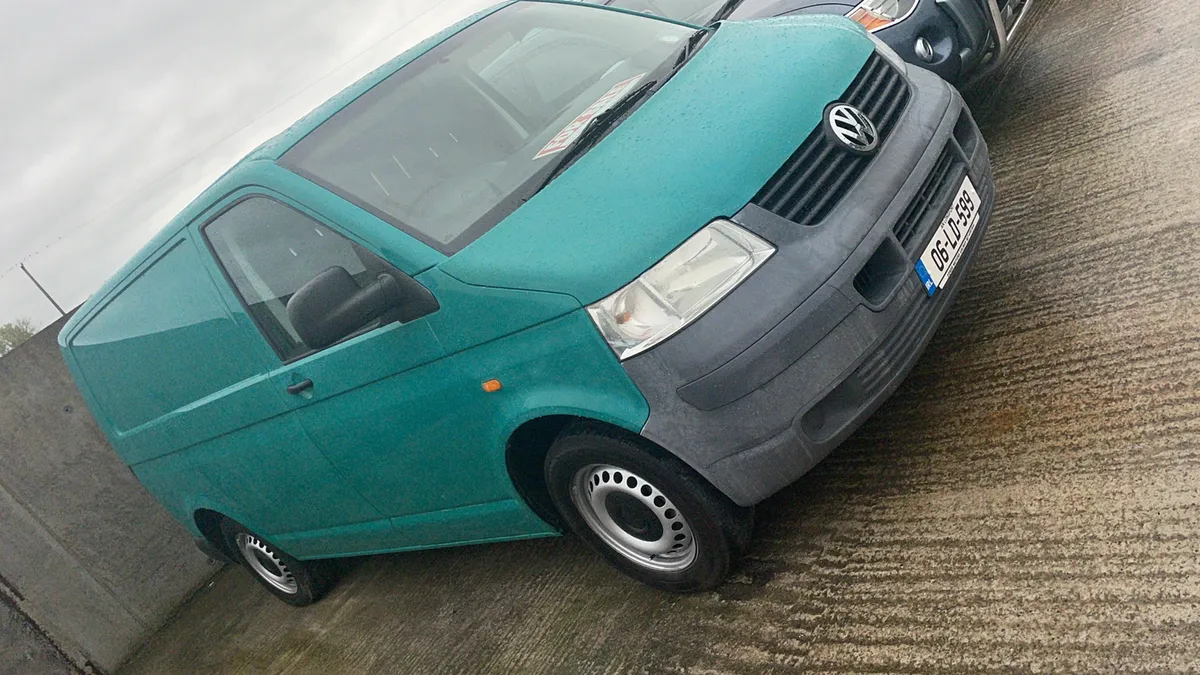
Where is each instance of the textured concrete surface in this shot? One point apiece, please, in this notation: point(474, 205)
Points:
point(1029, 500)
point(25, 650)
point(84, 550)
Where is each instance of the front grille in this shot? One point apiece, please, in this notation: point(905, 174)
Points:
point(1011, 11)
point(820, 173)
point(874, 373)
point(897, 347)
point(946, 176)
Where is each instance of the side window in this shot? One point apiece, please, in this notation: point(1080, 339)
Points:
point(270, 250)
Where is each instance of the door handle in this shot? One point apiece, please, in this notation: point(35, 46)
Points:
point(300, 387)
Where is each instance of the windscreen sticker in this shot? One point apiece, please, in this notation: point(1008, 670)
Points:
point(567, 136)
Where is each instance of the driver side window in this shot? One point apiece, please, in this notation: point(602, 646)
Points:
point(269, 250)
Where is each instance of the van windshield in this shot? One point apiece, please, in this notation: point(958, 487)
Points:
point(447, 146)
point(697, 12)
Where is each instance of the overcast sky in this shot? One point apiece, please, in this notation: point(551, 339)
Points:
point(118, 113)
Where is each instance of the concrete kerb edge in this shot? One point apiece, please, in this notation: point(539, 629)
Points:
point(12, 597)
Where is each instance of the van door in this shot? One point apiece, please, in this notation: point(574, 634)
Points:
point(367, 400)
point(185, 395)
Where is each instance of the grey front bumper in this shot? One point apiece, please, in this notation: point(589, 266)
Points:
point(967, 39)
point(753, 415)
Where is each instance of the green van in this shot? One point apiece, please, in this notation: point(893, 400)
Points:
point(560, 266)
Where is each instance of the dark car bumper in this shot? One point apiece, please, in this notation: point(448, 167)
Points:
point(969, 38)
point(757, 391)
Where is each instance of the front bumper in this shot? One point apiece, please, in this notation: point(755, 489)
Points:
point(969, 39)
point(836, 319)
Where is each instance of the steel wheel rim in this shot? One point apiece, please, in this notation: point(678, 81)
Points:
point(262, 559)
point(605, 495)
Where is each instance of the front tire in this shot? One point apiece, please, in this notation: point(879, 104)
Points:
point(293, 581)
point(649, 514)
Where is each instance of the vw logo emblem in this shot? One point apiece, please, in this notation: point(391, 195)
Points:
point(851, 128)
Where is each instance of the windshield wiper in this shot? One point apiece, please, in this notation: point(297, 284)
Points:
point(690, 47)
point(595, 130)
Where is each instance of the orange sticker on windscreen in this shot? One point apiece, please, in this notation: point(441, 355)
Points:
point(567, 136)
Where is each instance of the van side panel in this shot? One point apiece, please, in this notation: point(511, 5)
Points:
point(186, 402)
point(146, 343)
point(543, 347)
point(560, 367)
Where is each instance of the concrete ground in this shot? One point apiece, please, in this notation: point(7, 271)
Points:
point(1029, 500)
point(24, 650)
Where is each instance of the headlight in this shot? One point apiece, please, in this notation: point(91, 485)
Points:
point(876, 14)
point(680, 288)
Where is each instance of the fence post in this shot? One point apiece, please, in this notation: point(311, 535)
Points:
point(39, 287)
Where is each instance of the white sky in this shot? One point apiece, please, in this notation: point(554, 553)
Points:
point(116, 114)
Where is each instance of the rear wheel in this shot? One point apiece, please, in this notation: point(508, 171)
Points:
point(294, 581)
point(648, 513)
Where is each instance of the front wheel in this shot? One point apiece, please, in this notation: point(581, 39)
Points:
point(293, 581)
point(648, 513)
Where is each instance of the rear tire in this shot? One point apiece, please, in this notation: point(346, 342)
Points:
point(293, 581)
point(649, 514)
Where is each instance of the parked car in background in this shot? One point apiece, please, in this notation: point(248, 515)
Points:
point(961, 40)
point(560, 265)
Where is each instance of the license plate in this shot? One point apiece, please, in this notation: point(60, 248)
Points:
point(950, 239)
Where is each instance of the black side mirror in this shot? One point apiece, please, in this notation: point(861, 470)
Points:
point(332, 307)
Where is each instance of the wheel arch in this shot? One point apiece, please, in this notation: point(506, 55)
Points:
point(208, 522)
point(525, 456)
point(206, 516)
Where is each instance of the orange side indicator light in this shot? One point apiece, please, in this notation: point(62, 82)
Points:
point(492, 386)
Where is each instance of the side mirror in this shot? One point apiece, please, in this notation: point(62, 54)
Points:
point(332, 307)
